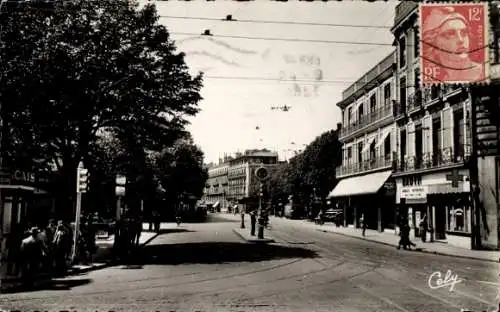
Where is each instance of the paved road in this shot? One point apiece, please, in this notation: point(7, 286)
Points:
point(206, 267)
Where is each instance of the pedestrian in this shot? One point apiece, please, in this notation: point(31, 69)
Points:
point(423, 229)
point(405, 236)
point(363, 224)
point(61, 242)
point(31, 256)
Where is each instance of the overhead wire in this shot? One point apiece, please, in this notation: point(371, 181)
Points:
point(276, 22)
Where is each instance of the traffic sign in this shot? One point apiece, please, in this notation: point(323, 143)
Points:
point(261, 173)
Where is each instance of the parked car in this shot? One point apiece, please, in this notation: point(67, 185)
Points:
point(333, 215)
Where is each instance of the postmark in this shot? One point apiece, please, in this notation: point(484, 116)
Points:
point(453, 43)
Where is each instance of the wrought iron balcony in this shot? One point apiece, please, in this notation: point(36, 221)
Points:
point(441, 158)
point(367, 165)
point(414, 101)
point(366, 120)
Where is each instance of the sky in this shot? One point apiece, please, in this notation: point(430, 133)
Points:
point(246, 78)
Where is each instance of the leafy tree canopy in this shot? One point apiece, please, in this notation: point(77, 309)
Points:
point(73, 68)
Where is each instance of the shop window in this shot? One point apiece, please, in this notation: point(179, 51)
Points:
point(459, 219)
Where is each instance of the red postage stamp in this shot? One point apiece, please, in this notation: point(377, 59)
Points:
point(453, 43)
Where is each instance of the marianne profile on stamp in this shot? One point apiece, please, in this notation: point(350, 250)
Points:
point(453, 46)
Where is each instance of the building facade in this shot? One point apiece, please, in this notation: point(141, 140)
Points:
point(368, 137)
point(438, 133)
point(243, 184)
point(217, 188)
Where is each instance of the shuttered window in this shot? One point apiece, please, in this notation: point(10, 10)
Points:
point(411, 139)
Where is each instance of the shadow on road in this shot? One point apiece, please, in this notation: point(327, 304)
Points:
point(174, 230)
point(54, 284)
point(218, 252)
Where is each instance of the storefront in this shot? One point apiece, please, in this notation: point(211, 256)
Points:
point(371, 196)
point(22, 205)
point(442, 197)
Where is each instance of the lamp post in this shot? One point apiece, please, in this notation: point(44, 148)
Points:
point(262, 174)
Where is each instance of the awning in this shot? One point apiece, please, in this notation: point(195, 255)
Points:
point(216, 204)
point(366, 184)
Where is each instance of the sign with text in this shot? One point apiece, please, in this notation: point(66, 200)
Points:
point(414, 192)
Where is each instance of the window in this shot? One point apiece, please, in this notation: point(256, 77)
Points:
point(360, 113)
point(343, 116)
point(360, 154)
point(458, 133)
point(373, 103)
point(402, 94)
point(349, 116)
point(459, 217)
point(387, 95)
point(417, 78)
point(416, 42)
point(402, 52)
point(349, 152)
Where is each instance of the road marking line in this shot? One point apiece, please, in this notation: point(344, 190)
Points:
point(385, 299)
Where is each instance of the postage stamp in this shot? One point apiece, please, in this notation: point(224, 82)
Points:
point(453, 43)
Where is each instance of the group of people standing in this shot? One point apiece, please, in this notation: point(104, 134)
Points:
point(48, 248)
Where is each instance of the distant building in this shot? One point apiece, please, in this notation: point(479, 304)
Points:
point(241, 178)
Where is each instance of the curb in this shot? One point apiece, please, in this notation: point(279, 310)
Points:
point(255, 241)
point(418, 249)
point(110, 263)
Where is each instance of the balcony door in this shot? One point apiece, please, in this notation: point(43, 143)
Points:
point(402, 151)
point(436, 141)
point(418, 145)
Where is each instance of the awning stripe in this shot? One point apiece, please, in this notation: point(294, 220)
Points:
point(361, 185)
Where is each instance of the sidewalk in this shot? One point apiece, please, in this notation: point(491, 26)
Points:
point(101, 259)
point(245, 235)
point(391, 239)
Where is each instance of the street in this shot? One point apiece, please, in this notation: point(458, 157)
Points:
point(206, 267)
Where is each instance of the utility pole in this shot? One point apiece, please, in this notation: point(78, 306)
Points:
point(81, 187)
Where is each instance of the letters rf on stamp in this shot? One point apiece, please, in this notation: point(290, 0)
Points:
point(453, 43)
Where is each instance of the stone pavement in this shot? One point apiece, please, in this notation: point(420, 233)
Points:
point(391, 239)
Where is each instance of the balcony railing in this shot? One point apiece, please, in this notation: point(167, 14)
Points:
point(366, 120)
point(375, 163)
point(441, 158)
point(414, 101)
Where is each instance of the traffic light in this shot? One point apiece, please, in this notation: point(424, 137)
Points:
point(261, 189)
point(83, 175)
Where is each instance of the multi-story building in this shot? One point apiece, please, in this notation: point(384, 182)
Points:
point(434, 142)
point(241, 179)
point(216, 188)
point(368, 148)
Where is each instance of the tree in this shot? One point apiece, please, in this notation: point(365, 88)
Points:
point(78, 67)
point(313, 169)
point(180, 170)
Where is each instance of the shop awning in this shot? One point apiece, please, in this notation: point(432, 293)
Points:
point(18, 187)
point(361, 185)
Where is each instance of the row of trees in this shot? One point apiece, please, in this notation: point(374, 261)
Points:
point(312, 172)
point(102, 82)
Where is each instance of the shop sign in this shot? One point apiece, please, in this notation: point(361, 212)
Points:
point(20, 177)
point(413, 192)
